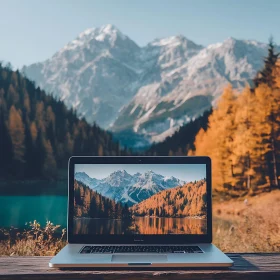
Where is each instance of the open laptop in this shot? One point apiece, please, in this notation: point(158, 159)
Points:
point(140, 212)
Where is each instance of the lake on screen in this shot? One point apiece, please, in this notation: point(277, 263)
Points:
point(17, 210)
point(140, 225)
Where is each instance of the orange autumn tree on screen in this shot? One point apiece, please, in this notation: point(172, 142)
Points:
point(243, 135)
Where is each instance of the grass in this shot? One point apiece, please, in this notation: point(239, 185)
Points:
point(33, 241)
point(248, 224)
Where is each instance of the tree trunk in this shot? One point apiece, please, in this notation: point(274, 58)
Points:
point(232, 172)
point(249, 169)
point(249, 182)
point(274, 163)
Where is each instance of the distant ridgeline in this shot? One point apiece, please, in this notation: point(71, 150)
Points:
point(182, 141)
point(38, 133)
point(188, 200)
point(89, 203)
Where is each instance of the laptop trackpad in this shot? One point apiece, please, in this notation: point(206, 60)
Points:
point(139, 258)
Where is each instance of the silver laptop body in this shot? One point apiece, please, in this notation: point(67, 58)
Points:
point(139, 212)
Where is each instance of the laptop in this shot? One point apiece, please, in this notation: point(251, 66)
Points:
point(139, 212)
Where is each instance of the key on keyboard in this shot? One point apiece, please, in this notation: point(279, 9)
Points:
point(139, 249)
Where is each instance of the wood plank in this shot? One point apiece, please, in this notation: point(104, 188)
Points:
point(247, 266)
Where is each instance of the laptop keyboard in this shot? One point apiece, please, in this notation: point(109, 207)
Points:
point(139, 249)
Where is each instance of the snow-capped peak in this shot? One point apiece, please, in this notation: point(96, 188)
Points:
point(109, 29)
point(120, 172)
point(104, 33)
point(127, 188)
point(87, 32)
point(150, 91)
point(173, 41)
point(81, 175)
point(151, 174)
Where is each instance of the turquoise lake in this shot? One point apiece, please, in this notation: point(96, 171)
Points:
point(18, 210)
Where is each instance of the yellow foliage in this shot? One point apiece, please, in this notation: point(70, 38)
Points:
point(183, 201)
point(243, 137)
point(217, 142)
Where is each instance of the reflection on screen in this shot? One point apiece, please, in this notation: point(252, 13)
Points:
point(140, 199)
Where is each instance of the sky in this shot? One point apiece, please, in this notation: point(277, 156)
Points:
point(186, 172)
point(33, 30)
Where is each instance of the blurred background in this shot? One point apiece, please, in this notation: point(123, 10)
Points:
point(143, 77)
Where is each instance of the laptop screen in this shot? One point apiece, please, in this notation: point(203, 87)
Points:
point(140, 199)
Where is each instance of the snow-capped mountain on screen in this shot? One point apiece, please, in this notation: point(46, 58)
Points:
point(130, 189)
point(146, 91)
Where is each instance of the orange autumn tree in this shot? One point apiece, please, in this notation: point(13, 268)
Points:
point(217, 141)
point(276, 74)
point(243, 138)
point(250, 149)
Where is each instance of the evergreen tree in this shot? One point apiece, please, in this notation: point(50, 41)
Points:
point(49, 167)
point(12, 96)
point(29, 152)
point(6, 146)
point(42, 132)
point(26, 102)
point(266, 75)
point(39, 155)
point(100, 150)
point(16, 130)
point(93, 208)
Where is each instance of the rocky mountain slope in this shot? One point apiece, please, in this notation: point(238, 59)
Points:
point(147, 92)
point(126, 188)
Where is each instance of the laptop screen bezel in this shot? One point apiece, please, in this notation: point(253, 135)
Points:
point(138, 239)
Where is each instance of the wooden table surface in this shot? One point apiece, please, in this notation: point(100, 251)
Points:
point(246, 266)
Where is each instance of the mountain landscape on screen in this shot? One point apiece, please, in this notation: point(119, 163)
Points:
point(147, 203)
point(130, 189)
point(148, 92)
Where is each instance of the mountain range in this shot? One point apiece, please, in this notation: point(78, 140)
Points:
point(126, 188)
point(145, 93)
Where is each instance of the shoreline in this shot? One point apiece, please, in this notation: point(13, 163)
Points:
point(188, 218)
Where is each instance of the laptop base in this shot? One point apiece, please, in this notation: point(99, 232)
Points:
point(70, 257)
